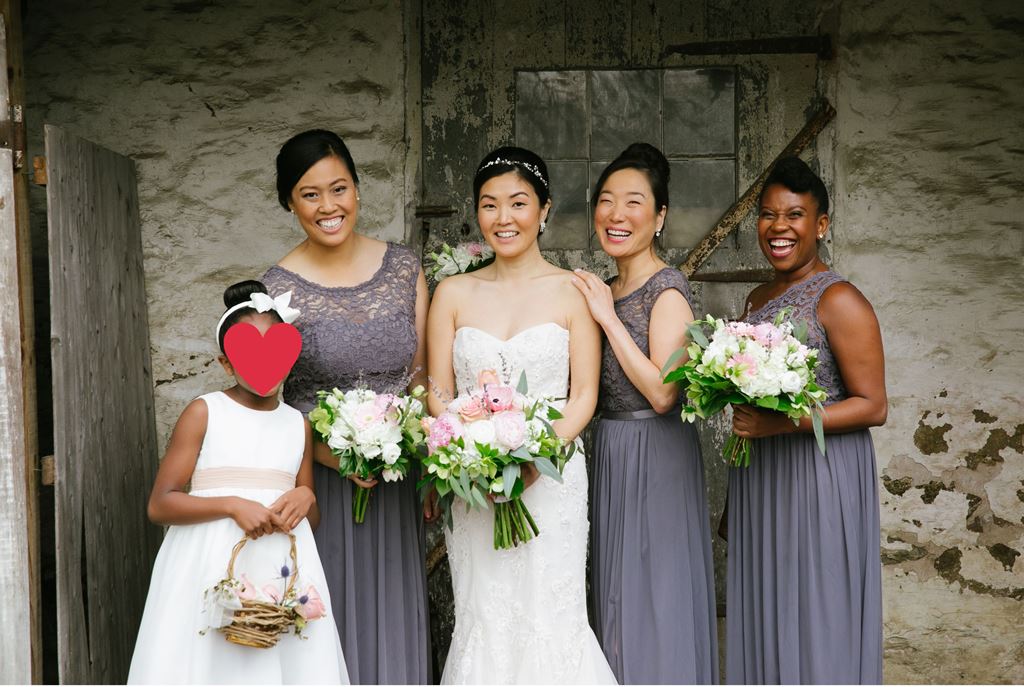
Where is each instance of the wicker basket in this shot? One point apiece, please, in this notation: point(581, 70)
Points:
point(259, 624)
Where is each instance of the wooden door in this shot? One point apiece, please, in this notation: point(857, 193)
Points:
point(104, 423)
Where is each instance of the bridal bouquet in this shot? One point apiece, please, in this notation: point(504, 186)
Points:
point(371, 434)
point(465, 257)
point(766, 365)
point(479, 445)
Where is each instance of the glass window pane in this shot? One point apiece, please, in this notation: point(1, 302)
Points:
point(625, 107)
point(568, 221)
point(700, 112)
point(700, 191)
point(551, 119)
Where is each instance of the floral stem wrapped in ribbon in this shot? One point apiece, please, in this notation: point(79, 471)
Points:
point(767, 365)
point(373, 435)
point(476, 450)
point(465, 257)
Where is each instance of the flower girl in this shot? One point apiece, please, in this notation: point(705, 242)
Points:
point(248, 459)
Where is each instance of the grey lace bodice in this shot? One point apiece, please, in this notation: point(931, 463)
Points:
point(634, 310)
point(363, 335)
point(802, 299)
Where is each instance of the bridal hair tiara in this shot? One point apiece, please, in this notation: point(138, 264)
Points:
point(532, 169)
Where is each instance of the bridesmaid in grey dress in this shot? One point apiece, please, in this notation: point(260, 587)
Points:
point(804, 575)
point(363, 306)
point(652, 579)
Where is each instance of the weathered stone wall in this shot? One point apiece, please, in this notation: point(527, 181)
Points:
point(924, 160)
point(202, 95)
point(928, 224)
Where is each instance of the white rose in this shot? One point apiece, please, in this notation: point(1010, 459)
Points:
point(481, 431)
point(790, 382)
point(391, 453)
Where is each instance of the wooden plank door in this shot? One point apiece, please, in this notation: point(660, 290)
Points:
point(104, 423)
point(15, 566)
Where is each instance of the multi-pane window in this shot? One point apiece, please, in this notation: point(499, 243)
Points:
point(580, 120)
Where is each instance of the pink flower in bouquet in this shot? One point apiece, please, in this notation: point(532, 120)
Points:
point(510, 429)
point(248, 590)
point(387, 405)
point(739, 328)
point(311, 606)
point(475, 249)
point(368, 413)
point(486, 378)
point(442, 430)
point(766, 334)
point(499, 397)
point(472, 409)
point(744, 364)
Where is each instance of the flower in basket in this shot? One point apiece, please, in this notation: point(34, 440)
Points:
point(256, 618)
point(373, 435)
point(476, 449)
point(465, 257)
point(767, 365)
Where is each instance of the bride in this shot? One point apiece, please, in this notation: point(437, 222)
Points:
point(520, 614)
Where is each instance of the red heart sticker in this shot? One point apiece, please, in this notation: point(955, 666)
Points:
point(262, 360)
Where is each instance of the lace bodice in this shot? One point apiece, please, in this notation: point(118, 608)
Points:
point(541, 350)
point(802, 298)
point(363, 335)
point(634, 310)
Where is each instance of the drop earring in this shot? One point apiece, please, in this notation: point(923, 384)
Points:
point(543, 226)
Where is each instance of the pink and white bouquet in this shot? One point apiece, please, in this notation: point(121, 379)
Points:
point(477, 447)
point(373, 435)
point(465, 257)
point(767, 365)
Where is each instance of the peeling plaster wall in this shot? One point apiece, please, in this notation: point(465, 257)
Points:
point(929, 155)
point(201, 95)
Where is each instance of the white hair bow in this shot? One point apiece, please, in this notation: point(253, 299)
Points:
point(262, 302)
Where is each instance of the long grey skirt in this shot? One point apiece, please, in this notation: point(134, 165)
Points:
point(377, 578)
point(652, 577)
point(804, 587)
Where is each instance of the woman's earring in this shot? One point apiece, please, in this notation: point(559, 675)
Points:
point(657, 234)
point(543, 226)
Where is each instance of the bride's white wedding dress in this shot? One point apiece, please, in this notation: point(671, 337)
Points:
point(521, 614)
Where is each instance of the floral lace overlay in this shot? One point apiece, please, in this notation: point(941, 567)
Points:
point(363, 335)
point(520, 614)
point(802, 300)
point(634, 310)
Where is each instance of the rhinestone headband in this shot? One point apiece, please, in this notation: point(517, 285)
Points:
point(532, 169)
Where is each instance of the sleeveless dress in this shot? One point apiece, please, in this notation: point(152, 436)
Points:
point(521, 614)
point(652, 572)
point(253, 454)
point(804, 585)
point(365, 336)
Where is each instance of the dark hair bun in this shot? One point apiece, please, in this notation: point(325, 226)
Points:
point(651, 157)
point(240, 292)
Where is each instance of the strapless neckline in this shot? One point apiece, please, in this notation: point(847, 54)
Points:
point(521, 332)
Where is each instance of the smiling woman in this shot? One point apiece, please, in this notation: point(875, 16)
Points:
point(364, 305)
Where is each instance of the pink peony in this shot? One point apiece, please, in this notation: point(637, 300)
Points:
point(311, 606)
point(474, 249)
point(472, 409)
point(499, 397)
point(510, 429)
point(766, 334)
